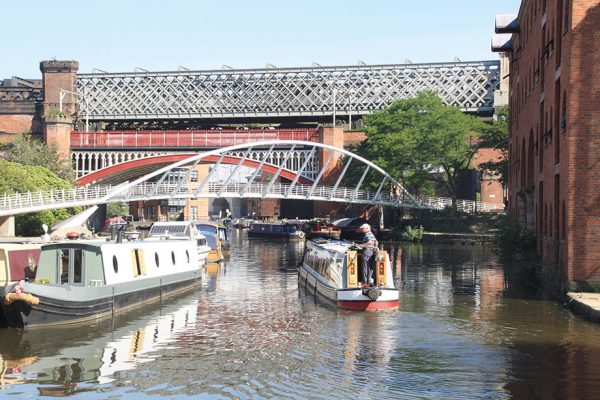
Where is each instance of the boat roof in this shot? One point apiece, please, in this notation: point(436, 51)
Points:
point(210, 223)
point(338, 246)
point(19, 246)
point(290, 222)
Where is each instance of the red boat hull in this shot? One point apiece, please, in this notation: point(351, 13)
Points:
point(368, 305)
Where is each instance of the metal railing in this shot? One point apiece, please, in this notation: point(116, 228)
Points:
point(468, 206)
point(16, 203)
point(187, 138)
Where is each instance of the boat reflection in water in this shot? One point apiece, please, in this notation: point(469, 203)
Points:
point(213, 270)
point(93, 353)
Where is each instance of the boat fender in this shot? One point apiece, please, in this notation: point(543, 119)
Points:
point(301, 235)
point(24, 297)
point(72, 235)
point(372, 293)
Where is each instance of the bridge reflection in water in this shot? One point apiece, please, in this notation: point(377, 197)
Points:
point(464, 330)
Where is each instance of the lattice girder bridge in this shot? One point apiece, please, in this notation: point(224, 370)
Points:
point(308, 93)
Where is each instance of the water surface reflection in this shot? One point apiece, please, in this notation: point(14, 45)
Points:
point(462, 331)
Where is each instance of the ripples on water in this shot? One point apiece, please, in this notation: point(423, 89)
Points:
point(250, 332)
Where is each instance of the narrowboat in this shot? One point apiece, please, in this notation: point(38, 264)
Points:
point(276, 229)
point(82, 280)
point(181, 230)
point(323, 229)
point(331, 268)
point(18, 262)
point(216, 238)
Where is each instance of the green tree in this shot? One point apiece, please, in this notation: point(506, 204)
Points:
point(29, 151)
point(117, 209)
point(495, 136)
point(420, 141)
point(18, 178)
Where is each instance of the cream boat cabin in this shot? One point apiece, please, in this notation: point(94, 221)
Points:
point(83, 280)
point(181, 230)
point(331, 268)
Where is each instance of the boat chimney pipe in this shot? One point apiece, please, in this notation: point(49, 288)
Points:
point(119, 235)
point(113, 232)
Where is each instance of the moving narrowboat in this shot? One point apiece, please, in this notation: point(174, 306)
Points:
point(331, 268)
point(82, 280)
point(216, 238)
point(276, 229)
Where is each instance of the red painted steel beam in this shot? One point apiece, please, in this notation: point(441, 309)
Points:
point(128, 169)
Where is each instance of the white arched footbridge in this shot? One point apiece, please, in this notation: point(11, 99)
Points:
point(176, 181)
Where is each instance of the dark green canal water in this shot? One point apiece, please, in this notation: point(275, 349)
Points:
point(464, 330)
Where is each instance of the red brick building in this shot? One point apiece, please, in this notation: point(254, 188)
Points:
point(554, 146)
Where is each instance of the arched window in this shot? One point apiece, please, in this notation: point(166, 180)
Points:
point(545, 228)
point(523, 164)
point(563, 230)
point(530, 158)
point(563, 119)
point(550, 231)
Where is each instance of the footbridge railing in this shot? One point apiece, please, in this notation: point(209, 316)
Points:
point(177, 181)
point(18, 203)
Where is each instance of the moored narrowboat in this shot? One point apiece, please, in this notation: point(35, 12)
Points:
point(18, 262)
point(216, 238)
point(83, 280)
point(279, 229)
point(181, 230)
point(331, 268)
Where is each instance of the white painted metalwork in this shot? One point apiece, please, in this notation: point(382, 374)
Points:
point(160, 184)
point(86, 162)
point(20, 203)
point(281, 92)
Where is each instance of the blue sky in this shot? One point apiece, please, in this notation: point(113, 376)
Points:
point(118, 36)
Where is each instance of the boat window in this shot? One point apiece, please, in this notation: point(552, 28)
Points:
point(64, 265)
point(201, 242)
point(313, 260)
point(210, 233)
point(77, 266)
point(187, 256)
point(207, 229)
point(115, 264)
point(173, 257)
point(156, 260)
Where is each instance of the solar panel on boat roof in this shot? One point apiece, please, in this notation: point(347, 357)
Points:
point(174, 230)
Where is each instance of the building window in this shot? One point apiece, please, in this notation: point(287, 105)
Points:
point(151, 212)
point(193, 213)
point(194, 176)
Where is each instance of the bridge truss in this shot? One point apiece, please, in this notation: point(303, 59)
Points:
point(160, 185)
point(282, 92)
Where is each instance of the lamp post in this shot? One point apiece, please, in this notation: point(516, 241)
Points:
point(87, 113)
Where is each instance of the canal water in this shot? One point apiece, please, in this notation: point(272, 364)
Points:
point(464, 330)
